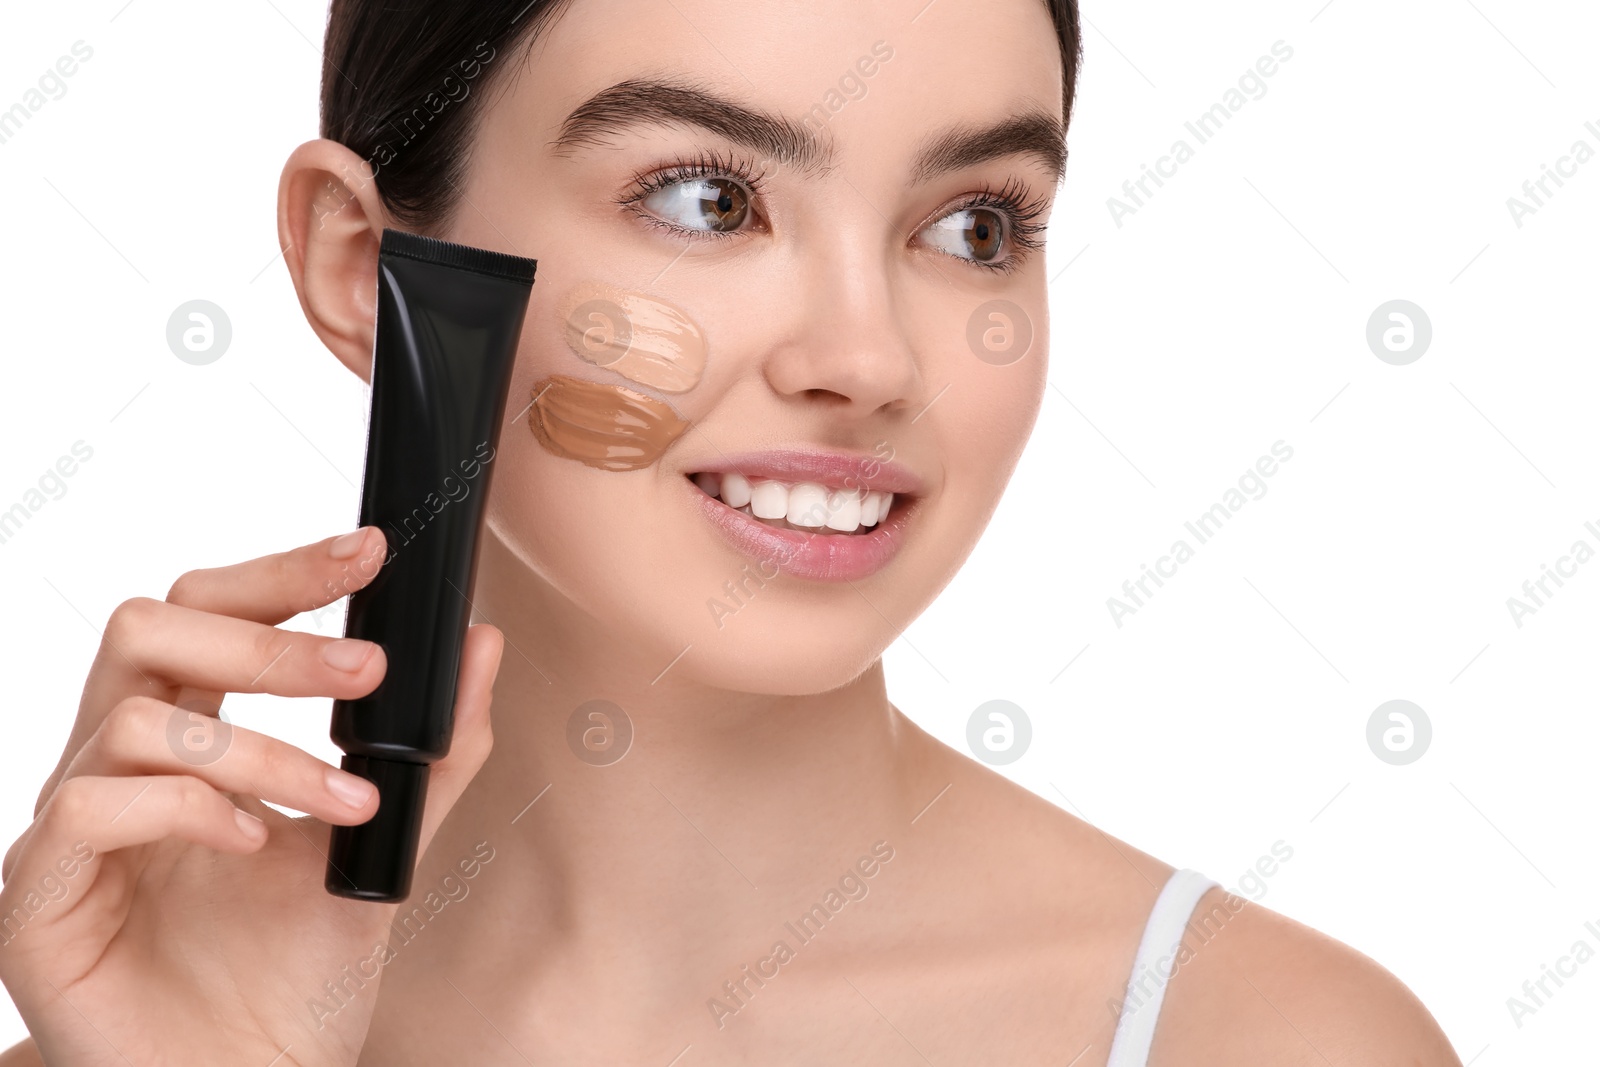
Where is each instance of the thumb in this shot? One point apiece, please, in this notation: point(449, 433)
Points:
point(472, 737)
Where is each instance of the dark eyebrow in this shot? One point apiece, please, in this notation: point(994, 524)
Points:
point(641, 102)
point(787, 142)
point(1031, 132)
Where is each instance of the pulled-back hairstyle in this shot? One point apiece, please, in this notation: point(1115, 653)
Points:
point(403, 83)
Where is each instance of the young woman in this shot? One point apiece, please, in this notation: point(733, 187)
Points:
point(700, 833)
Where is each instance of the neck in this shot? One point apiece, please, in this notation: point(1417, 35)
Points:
point(723, 805)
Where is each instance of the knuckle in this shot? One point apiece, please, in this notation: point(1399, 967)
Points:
point(271, 761)
point(193, 801)
point(271, 645)
point(271, 756)
point(131, 722)
point(130, 618)
point(185, 589)
point(69, 805)
point(283, 570)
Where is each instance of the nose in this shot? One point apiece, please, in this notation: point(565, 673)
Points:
point(851, 349)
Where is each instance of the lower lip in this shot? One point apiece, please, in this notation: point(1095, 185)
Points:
point(823, 557)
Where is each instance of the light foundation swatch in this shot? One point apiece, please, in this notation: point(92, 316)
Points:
point(643, 338)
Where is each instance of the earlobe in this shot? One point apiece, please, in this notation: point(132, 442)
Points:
point(330, 223)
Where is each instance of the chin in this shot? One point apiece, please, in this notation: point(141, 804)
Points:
point(792, 651)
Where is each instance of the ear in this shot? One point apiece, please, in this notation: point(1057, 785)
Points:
point(330, 223)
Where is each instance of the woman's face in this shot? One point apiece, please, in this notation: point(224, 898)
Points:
point(825, 273)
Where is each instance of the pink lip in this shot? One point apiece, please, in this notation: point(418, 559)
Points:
point(834, 469)
point(826, 556)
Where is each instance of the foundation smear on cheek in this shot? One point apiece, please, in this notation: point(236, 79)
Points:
point(643, 338)
point(610, 427)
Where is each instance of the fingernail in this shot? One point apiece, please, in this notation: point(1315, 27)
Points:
point(348, 545)
point(349, 788)
point(252, 826)
point(347, 654)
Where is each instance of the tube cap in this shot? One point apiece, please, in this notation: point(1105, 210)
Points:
point(375, 860)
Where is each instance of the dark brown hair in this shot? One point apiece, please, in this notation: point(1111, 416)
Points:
point(403, 81)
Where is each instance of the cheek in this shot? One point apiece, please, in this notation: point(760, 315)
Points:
point(572, 494)
point(995, 405)
point(581, 474)
point(980, 427)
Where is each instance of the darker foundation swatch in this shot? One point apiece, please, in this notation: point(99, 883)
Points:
point(610, 427)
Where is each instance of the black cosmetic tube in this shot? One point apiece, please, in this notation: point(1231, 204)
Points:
point(448, 321)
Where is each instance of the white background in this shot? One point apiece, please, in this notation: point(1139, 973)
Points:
point(1228, 313)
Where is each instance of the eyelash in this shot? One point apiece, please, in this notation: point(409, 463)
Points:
point(1011, 201)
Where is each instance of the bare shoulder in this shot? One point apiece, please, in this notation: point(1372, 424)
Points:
point(1253, 985)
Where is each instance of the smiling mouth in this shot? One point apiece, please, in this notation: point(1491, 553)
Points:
point(807, 507)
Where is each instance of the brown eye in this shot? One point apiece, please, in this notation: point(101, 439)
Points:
point(976, 234)
point(729, 206)
point(983, 233)
point(715, 205)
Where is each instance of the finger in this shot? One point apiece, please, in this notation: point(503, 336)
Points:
point(273, 588)
point(142, 736)
point(266, 590)
point(472, 737)
point(175, 645)
point(89, 816)
point(200, 701)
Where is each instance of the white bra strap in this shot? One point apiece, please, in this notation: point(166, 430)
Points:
point(1163, 933)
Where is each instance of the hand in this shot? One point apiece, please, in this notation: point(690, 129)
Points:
point(156, 911)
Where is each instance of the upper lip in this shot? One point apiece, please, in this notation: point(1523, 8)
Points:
point(867, 470)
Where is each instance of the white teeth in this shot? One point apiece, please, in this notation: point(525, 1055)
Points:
point(803, 504)
point(871, 507)
point(710, 481)
point(808, 505)
point(844, 510)
point(769, 500)
point(735, 490)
